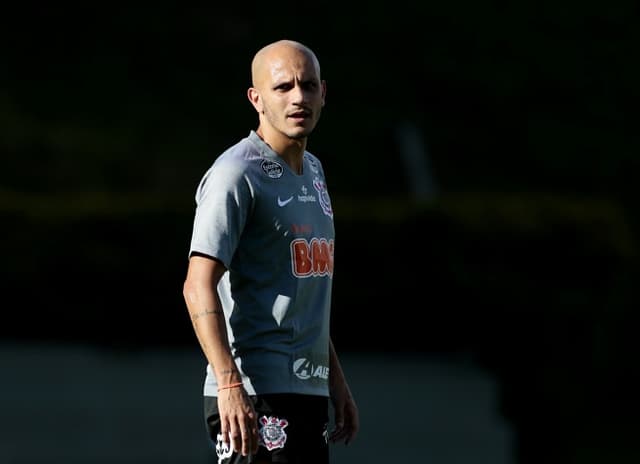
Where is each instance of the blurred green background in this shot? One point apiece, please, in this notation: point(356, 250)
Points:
point(481, 158)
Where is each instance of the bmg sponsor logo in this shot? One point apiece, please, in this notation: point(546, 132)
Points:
point(313, 258)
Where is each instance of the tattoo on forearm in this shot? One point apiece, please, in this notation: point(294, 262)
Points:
point(205, 312)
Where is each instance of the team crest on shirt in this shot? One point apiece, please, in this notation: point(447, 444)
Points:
point(272, 168)
point(272, 434)
point(323, 194)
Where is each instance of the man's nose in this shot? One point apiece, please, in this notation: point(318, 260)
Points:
point(298, 94)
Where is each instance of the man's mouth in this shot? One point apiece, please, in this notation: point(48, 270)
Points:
point(299, 115)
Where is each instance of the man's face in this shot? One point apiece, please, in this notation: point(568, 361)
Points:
point(292, 93)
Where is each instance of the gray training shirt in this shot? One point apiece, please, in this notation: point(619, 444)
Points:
point(273, 230)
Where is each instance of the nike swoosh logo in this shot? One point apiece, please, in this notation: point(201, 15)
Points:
point(282, 203)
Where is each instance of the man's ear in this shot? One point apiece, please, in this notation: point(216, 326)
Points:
point(254, 98)
point(324, 91)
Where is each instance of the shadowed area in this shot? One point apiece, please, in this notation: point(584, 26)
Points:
point(482, 161)
point(77, 404)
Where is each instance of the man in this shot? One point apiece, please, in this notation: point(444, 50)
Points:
point(258, 284)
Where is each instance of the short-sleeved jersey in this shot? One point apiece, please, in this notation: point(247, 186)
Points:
point(273, 230)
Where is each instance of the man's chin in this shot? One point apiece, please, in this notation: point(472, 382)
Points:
point(300, 132)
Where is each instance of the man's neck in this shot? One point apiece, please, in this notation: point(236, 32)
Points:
point(290, 150)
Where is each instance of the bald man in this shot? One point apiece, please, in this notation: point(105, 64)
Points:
point(259, 278)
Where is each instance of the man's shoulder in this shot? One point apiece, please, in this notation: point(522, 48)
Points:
point(243, 151)
point(246, 160)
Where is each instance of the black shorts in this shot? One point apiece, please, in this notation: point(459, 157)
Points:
point(292, 429)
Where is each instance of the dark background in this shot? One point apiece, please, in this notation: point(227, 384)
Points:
point(523, 256)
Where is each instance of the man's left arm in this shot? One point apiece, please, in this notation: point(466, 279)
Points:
point(347, 421)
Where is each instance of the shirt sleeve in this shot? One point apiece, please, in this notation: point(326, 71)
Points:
point(223, 202)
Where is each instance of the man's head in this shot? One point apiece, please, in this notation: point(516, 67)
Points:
point(287, 90)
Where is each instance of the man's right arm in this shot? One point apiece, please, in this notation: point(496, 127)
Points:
point(238, 424)
point(207, 317)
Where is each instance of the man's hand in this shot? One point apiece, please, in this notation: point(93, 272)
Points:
point(238, 421)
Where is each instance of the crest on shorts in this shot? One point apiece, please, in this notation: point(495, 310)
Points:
point(272, 434)
point(223, 450)
point(272, 169)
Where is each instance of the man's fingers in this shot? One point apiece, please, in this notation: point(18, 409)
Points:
point(249, 440)
point(240, 431)
point(253, 438)
point(224, 432)
point(342, 433)
point(244, 438)
point(235, 435)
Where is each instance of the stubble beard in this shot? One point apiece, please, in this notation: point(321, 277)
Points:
point(293, 133)
point(306, 129)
